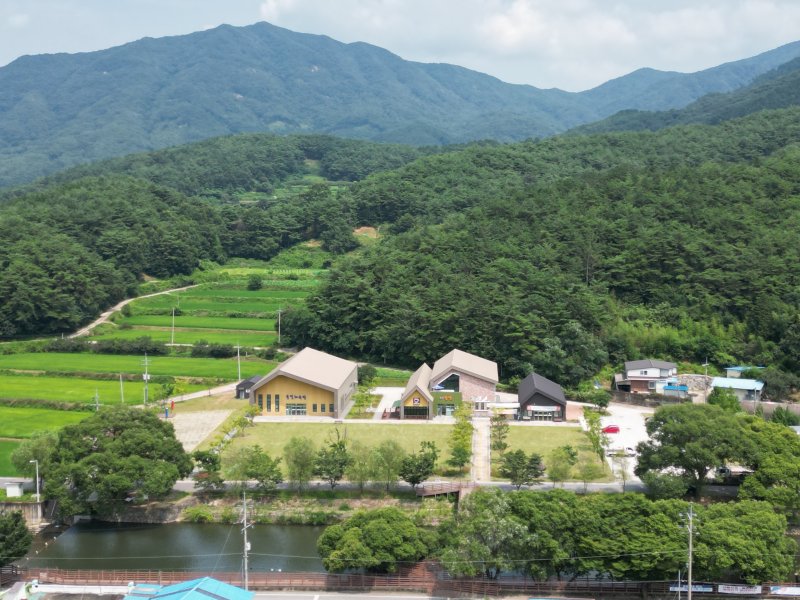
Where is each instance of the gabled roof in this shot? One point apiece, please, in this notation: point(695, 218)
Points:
point(246, 383)
point(204, 588)
point(737, 383)
point(420, 380)
point(649, 363)
point(458, 360)
point(534, 383)
point(314, 367)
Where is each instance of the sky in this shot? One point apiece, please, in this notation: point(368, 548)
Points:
point(569, 44)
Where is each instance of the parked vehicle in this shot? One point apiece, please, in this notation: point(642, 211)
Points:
point(611, 429)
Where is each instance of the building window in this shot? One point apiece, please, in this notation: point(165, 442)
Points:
point(269, 402)
point(277, 403)
point(313, 408)
point(330, 406)
point(321, 408)
point(651, 385)
point(260, 402)
point(295, 410)
point(642, 372)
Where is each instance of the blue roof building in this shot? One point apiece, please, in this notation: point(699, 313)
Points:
point(205, 588)
point(743, 389)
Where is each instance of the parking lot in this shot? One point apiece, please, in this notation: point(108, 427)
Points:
point(630, 420)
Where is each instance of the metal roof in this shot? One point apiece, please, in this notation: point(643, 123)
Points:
point(246, 383)
point(314, 367)
point(420, 380)
point(649, 363)
point(205, 588)
point(469, 364)
point(737, 383)
point(534, 383)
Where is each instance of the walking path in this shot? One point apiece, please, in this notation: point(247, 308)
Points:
point(103, 318)
point(481, 453)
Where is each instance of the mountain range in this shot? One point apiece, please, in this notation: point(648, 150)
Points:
point(65, 109)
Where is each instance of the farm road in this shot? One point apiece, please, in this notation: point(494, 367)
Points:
point(103, 318)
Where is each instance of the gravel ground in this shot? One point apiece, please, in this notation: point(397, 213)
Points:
point(191, 428)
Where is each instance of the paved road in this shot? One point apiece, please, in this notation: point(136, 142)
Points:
point(481, 451)
point(107, 314)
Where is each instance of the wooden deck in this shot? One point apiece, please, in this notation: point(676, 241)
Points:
point(443, 488)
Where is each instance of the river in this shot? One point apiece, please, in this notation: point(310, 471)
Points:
point(202, 547)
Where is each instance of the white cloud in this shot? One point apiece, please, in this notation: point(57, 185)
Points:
point(18, 20)
point(572, 44)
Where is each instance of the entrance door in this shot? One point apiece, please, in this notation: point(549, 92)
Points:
point(296, 410)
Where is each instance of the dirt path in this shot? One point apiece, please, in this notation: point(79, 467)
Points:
point(481, 455)
point(103, 318)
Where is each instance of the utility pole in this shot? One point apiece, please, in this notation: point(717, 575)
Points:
point(691, 541)
point(172, 335)
point(96, 400)
point(146, 363)
point(121, 390)
point(246, 543)
point(280, 310)
point(238, 364)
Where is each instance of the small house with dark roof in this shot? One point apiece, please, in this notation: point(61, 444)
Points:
point(646, 376)
point(541, 399)
point(243, 387)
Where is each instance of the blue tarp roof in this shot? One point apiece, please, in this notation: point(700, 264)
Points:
point(680, 388)
point(205, 588)
point(737, 384)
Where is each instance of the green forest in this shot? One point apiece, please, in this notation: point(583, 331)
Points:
point(563, 255)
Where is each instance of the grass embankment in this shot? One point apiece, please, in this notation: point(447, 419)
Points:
point(6, 448)
point(22, 422)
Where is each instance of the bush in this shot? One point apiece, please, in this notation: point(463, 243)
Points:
point(213, 350)
point(255, 282)
point(198, 514)
point(661, 486)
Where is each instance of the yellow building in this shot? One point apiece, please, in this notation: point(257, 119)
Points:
point(310, 383)
point(417, 400)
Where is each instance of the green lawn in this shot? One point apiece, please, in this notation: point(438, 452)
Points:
point(21, 422)
point(544, 440)
point(243, 324)
point(159, 365)
point(6, 448)
point(272, 437)
point(74, 389)
point(190, 336)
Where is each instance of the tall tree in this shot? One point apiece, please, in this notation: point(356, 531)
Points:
point(298, 456)
point(15, 538)
point(332, 460)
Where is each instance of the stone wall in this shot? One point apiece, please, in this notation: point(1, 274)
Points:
point(472, 389)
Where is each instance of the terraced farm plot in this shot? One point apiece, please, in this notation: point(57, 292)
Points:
point(164, 305)
point(6, 448)
point(175, 366)
point(74, 389)
point(191, 322)
point(22, 422)
point(231, 292)
point(191, 336)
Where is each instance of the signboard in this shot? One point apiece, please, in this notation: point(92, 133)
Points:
point(784, 590)
point(415, 401)
point(696, 587)
point(741, 590)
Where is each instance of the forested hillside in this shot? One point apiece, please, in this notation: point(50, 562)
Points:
point(60, 110)
point(77, 243)
point(569, 253)
point(779, 88)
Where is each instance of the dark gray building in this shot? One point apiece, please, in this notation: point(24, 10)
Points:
point(541, 399)
point(243, 387)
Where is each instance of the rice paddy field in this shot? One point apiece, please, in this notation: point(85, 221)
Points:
point(220, 311)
